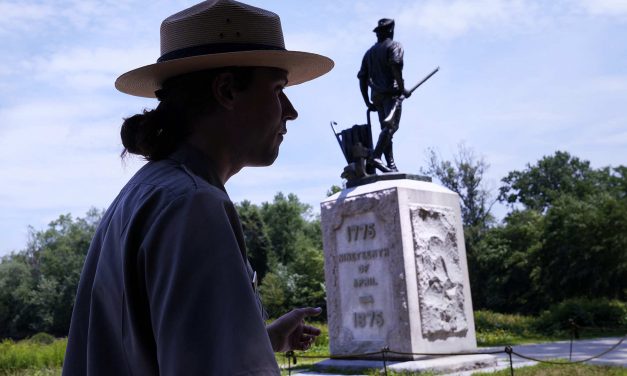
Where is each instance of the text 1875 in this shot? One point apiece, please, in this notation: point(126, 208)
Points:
point(369, 319)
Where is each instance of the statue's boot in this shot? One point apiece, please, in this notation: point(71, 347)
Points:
point(389, 157)
point(378, 164)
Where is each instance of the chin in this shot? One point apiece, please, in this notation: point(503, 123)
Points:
point(264, 161)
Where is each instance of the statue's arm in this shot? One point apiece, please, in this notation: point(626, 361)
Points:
point(363, 87)
point(397, 72)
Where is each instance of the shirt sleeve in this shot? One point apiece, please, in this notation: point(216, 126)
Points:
point(204, 314)
point(395, 53)
point(363, 71)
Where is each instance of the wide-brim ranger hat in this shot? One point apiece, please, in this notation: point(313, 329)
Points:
point(221, 33)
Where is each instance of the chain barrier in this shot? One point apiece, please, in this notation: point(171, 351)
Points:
point(292, 356)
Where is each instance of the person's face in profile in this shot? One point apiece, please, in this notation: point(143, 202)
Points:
point(263, 110)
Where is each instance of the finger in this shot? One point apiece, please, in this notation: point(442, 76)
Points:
point(307, 338)
point(305, 345)
point(311, 330)
point(309, 311)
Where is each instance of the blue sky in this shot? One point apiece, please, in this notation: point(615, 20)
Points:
point(519, 79)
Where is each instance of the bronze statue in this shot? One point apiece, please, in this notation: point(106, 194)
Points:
point(382, 71)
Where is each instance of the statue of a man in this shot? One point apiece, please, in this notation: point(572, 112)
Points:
point(382, 70)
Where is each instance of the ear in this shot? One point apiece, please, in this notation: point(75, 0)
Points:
point(223, 90)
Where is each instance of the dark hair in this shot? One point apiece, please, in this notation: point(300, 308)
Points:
point(155, 134)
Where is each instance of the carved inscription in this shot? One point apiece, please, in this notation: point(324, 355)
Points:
point(368, 319)
point(364, 255)
point(362, 259)
point(364, 232)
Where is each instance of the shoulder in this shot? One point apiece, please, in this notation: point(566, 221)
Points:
point(173, 179)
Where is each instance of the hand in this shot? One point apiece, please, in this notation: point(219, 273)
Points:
point(406, 93)
point(371, 107)
point(289, 331)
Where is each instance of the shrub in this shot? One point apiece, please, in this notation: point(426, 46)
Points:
point(42, 338)
point(598, 313)
point(487, 321)
point(27, 354)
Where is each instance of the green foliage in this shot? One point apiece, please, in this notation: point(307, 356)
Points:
point(273, 292)
point(560, 370)
point(494, 329)
point(255, 231)
point(32, 372)
point(17, 308)
point(504, 265)
point(42, 338)
point(38, 284)
point(284, 239)
point(599, 313)
point(585, 238)
point(464, 176)
point(31, 355)
point(333, 190)
point(540, 185)
point(567, 241)
point(286, 218)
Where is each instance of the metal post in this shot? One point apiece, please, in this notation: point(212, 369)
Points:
point(385, 366)
point(509, 350)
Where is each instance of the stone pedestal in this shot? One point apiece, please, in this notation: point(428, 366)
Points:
point(395, 270)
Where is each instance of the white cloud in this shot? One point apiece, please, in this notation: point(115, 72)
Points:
point(609, 83)
point(451, 19)
point(18, 16)
point(90, 68)
point(80, 15)
point(605, 7)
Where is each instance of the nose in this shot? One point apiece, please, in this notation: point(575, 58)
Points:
point(289, 112)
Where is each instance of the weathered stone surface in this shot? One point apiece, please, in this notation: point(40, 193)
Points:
point(447, 364)
point(439, 273)
point(395, 268)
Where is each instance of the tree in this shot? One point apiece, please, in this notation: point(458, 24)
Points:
point(286, 218)
point(583, 254)
point(464, 176)
point(46, 274)
point(333, 190)
point(17, 315)
point(258, 243)
point(538, 186)
point(505, 265)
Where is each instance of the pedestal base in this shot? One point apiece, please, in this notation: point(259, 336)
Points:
point(447, 364)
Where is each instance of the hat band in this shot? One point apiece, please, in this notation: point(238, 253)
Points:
point(215, 48)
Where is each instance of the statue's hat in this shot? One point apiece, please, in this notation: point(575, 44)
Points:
point(384, 24)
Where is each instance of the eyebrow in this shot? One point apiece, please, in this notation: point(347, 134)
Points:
point(281, 75)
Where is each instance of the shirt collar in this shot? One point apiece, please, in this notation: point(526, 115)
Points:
point(198, 163)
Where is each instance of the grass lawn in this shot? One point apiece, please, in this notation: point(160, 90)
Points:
point(561, 370)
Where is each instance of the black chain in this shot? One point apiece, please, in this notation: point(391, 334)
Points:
point(507, 350)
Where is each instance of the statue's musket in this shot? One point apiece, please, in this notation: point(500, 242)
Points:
point(337, 136)
point(424, 80)
point(388, 119)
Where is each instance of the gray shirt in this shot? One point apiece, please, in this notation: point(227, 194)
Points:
point(166, 286)
point(375, 66)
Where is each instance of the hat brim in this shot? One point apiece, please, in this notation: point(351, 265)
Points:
point(300, 67)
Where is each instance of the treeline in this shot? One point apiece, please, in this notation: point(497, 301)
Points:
point(38, 284)
point(564, 237)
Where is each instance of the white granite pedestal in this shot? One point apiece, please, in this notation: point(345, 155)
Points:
point(395, 270)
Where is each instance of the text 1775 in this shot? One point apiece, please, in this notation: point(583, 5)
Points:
point(364, 232)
